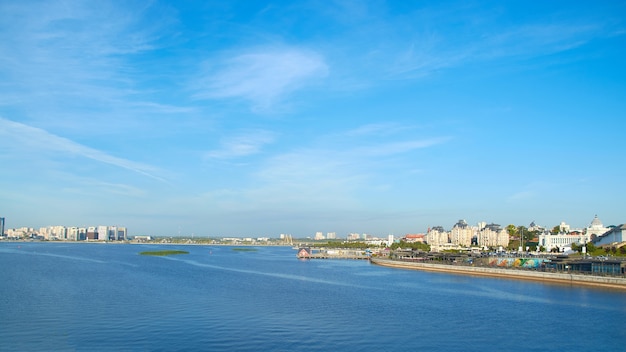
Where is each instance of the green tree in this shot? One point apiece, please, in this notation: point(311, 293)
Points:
point(511, 230)
point(556, 230)
point(412, 245)
point(591, 247)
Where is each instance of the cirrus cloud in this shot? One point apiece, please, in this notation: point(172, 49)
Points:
point(263, 77)
point(29, 141)
point(242, 145)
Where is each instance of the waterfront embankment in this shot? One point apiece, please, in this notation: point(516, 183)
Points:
point(517, 274)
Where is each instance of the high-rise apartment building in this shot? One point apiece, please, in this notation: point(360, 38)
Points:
point(121, 234)
point(72, 233)
point(92, 233)
point(103, 233)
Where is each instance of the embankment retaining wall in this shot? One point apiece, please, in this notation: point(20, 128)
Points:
point(563, 278)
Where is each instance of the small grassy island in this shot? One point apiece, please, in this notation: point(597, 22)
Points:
point(245, 249)
point(162, 253)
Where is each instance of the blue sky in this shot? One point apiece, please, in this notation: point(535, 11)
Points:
point(255, 118)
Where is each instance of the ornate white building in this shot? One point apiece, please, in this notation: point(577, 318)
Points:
point(596, 229)
point(564, 239)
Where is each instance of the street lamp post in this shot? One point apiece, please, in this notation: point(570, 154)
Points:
point(521, 240)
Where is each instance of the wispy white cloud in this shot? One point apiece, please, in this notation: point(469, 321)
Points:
point(391, 148)
point(522, 196)
point(428, 53)
point(157, 108)
point(262, 76)
point(76, 57)
point(95, 188)
point(422, 55)
point(328, 174)
point(241, 145)
point(533, 191)
point(532, 40)
point(418, 43)
point(548, 189)
point(334, 174)
point(379, 129)
point(37, 141)
point(307, 178)
point(69, 45)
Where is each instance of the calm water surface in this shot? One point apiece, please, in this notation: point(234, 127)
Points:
point(105, 297)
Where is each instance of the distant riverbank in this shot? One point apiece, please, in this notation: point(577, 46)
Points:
point(560, 278)
point(263, 244)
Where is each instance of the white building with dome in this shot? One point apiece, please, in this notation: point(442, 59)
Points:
point(596, 229)
point(564, 239)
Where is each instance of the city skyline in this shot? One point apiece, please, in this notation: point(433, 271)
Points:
point(594, 226)
point(263, 118)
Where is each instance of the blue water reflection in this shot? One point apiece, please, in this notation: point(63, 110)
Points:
point(107, 297)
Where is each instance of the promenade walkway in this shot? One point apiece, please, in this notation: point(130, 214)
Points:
point(520, 274)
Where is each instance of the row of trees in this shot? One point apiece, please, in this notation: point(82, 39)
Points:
point(344, 244)
point(413, 245)
point(523, 232)
point(593, 250)
point(363, 245)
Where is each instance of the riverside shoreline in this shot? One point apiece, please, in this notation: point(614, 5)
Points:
point(548, 277)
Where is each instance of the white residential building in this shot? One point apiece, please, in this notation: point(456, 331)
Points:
point(122, 234)
point(462, 233)
point(492, 235)
point(57, 232)
point(72, 233)
point(437, 236)
point(353, 236)
point(103, 233)
point(615, 235)
point(19, 232)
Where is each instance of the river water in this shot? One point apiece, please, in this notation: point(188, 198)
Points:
point(107, 297)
